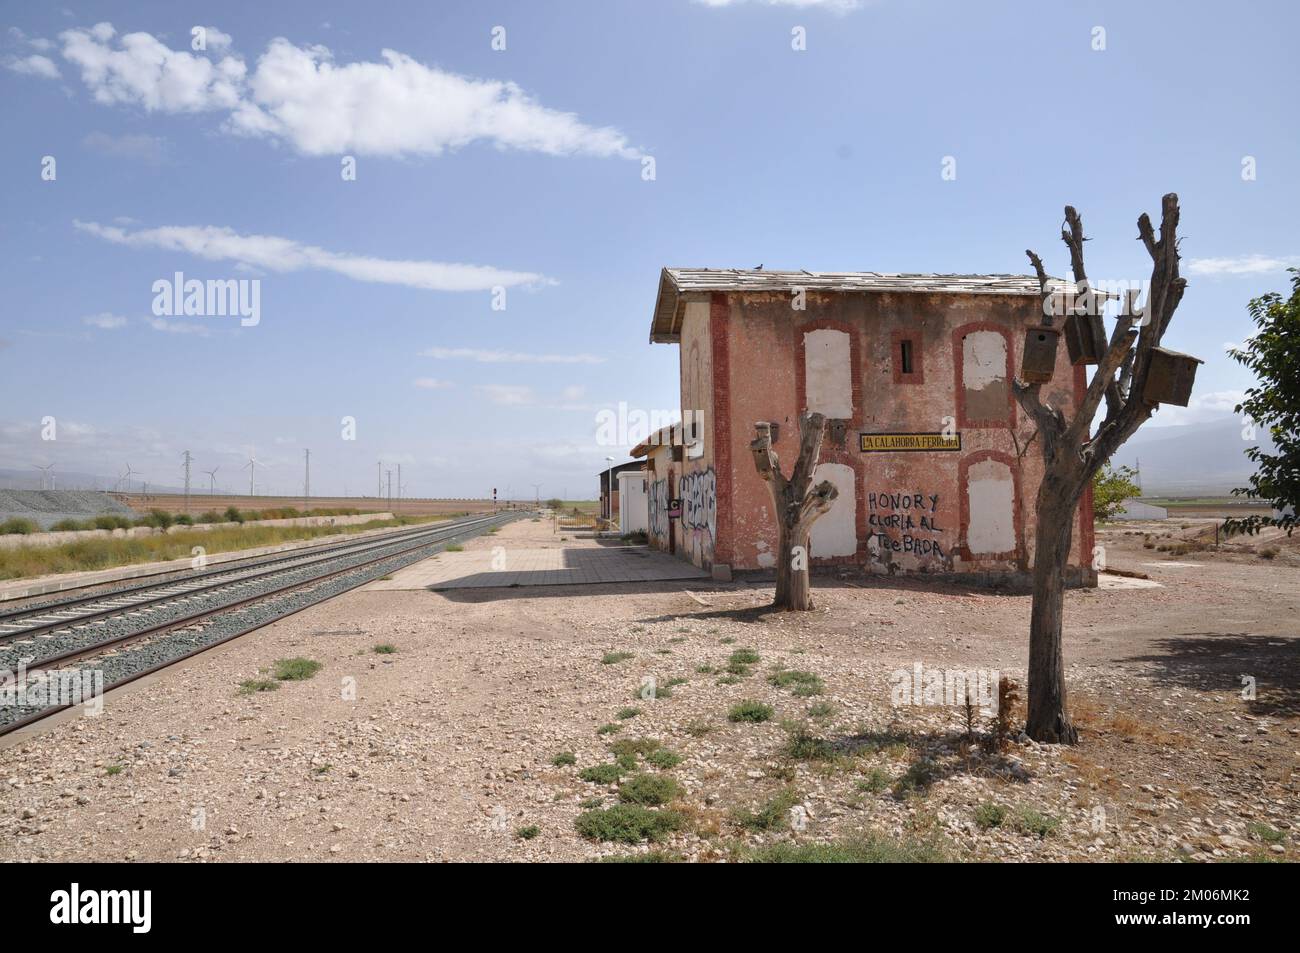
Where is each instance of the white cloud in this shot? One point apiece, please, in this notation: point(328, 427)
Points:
point(215, 39)
point(1202, 408)
point(301, 96)
point(142, 71)
point(431, 383)
point(1241, 265)
point(272, 253)
point(508, 357)
point(177, 327)
point(105, 321)
point(33, 65)
point(509, 395)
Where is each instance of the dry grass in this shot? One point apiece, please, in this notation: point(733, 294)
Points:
point(105, 552)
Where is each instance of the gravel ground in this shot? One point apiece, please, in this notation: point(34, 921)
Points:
point(443, 749)
point(137, 657)
point(47, 507)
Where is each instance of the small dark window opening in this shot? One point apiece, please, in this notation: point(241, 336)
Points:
point(905, 356)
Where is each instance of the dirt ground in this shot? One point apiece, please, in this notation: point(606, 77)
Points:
point(444, 750)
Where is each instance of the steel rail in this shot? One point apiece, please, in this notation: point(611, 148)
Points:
point(301, 560)
point(181, 623)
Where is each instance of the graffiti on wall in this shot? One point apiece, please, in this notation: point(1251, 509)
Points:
point(658, 504)
point(699, 493)
point(904, 523)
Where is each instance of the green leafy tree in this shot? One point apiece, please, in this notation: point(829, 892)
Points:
point(1110, 488)
point(1273, 354)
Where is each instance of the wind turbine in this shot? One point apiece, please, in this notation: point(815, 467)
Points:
point(127, 477)
point(46, 471)
point(212, 480)
point(252, 465)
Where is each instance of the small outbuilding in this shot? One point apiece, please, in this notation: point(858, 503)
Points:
point(1137, 510)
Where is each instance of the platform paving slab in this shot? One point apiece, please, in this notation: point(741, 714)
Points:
point(557, 566)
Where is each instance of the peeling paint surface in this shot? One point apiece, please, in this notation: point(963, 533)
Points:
point(992, 496)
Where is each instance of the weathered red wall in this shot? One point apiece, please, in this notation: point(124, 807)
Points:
point(758, 373)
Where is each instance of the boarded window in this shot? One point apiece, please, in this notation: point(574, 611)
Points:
point(985, 387)
point(990, 505)
point(828, 373)
point(836, 532)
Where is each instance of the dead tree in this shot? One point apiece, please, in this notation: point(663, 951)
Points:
point(798, 504)
point(1071, 453)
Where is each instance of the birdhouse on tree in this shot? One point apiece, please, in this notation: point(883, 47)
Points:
point(1169, 378)
point(1039, 358)
point(1079, 342)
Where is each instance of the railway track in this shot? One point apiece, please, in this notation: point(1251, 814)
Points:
point(121, 637)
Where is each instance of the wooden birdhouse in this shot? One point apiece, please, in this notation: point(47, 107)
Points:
point(1079, 342)
point(1169, 378)
point(1039, 358)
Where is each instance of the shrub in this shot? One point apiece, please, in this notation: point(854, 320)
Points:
point(663, 759)
point(253, 685)
point(749, 710)
point(295, 669)
point(17, 527)
point(613, 658)
point(209, 516)
point(628, 823)
point(529, 832)
point(649, 789)
point(68, 526)
point(868, 850)
point(744, 657)
point(1027, 820)
point(111, 522)
point(601, 773)
point(564, 759)
point(773, 814)
point(803, 684)
point(233, 515)
point(988, 815)
point(184, 519)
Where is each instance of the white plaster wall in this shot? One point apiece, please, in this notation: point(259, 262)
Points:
point(836, 532)
point(991, 497)
point(828, 373)
point(633, 503)
point(984, 359)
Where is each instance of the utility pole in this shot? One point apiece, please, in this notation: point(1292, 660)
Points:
point(306, 481)
point(537, 490)
point(379, 493)
point(399, 486)
point(390, 490)
point(187, 481)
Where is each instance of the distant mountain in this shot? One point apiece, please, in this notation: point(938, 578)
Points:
point(19, 479)
point(1206, 459)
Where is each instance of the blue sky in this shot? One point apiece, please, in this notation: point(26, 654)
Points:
point(225, 163)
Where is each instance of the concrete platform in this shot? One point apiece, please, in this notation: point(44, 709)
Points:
point(500, 566)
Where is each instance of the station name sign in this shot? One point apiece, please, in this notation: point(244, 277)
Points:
point(907, 442)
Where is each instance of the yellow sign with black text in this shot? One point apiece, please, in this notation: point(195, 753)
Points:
point(907, 442)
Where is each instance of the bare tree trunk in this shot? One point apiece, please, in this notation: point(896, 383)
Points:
point(1049, 719)
point(1072, 453)
point(797, 504)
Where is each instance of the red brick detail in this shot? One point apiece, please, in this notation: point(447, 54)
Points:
point(719, 329)
point(855, 364)
point(896, 339)
point(963, 498)
point(957, 335)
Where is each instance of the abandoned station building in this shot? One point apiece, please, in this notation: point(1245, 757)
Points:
point(932, 455)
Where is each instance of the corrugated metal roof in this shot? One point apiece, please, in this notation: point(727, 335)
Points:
point(674, 283)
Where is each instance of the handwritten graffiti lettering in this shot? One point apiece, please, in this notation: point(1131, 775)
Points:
point(909, 514)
